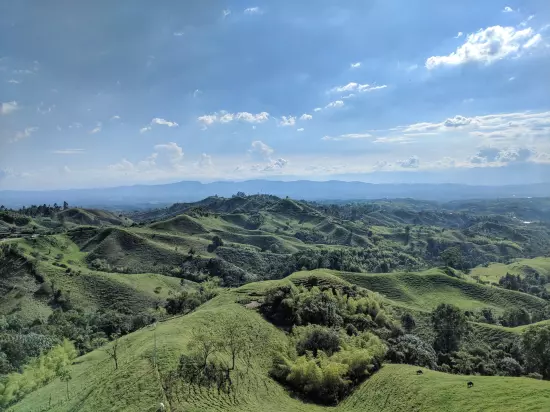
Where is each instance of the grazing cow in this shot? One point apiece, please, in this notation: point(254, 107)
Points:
point(419, 372)
point(470, 384)
point(161, 407)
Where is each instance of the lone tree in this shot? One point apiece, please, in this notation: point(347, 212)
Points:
point(65, 376)
point(453, 258)
point(113, 350)
point(450, 326)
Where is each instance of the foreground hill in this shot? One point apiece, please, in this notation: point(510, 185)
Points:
point(137, 383)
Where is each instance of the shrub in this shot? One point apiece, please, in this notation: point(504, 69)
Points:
point(314, 338)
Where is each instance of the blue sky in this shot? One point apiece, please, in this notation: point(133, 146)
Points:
point(105, 93)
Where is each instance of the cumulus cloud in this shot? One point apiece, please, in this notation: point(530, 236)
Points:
point(306, 116)
point(205, 161)
point(459, 35)
point(260, 150)
point(145, 129)
point(226, 117)
point(317, 109)
point(8, 107)
point(287, 121)
point(167, 157)
point(356, 87)
point(458, 121)
point(24, 134)
point(350, 136)
point(164, 122)
point(507, 9)
point(487, 46)
point(412, 162)
point(335, 104)
point(502, 155)
point(355, 65)
point(301, 129)
point(273, 165)
point(115, 117)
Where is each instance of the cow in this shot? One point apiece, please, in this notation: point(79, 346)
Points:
point(419, 372)
point(470, 384)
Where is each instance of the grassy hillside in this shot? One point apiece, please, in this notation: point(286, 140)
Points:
point(493, 272)
point(136, 384)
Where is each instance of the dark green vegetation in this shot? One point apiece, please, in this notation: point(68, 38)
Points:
point(457, 288)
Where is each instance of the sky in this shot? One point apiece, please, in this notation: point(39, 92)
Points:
point(103, 93)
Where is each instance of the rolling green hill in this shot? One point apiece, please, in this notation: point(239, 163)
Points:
point(136, 385)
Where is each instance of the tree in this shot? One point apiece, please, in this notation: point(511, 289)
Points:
point(65, 376)
point(536, 346)
point(453, 258)
point(450, 326)
point(113, 350)
point(408, 322)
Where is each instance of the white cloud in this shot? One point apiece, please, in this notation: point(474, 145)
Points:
point(335, 104)
point(24, 134)
point(178, 33)
point(252, 10)
point(317, 109)
point(507, 9)
point(8, 107)
point(164, 122)
point(458, 35)
point(260, 150)
point(68, 151)
point(511, 79)
point(487, 46)
point(145, 129)
point(205, 161)
point(458, 121)
point(226, 13)
point(226, 117)
point(287, 121)
point(197, 92)
point(115, 117)
point(273, 165)
point(349, 136)
point(166, 157)
point(301, 129)
point(355, 65)
point(487, 155)
point(97, 129)
point(306, 116)
point(356, 87)
point(13, 81)
point(412, 162)
point(75, 125)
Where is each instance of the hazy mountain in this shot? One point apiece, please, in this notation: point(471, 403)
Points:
point(187, 191)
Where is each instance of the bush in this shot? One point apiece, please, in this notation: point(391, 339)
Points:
point(414, 351)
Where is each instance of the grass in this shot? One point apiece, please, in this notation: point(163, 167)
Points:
point(96, 386)
point(493, 272)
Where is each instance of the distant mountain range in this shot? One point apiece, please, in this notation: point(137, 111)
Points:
point(141, 196)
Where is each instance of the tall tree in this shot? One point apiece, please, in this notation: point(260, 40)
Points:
point(450, 326)
point(536, 346)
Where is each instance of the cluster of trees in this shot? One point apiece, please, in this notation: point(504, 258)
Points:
point(333, 344)
point(40, 371)
point(532, 283)
point(325, 364)
point(327, 305)
point(189, 299)
point(37, 210)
